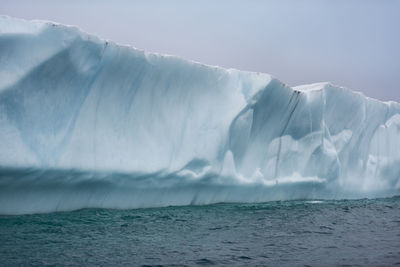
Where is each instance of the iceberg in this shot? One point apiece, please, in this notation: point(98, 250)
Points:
point(85, 122)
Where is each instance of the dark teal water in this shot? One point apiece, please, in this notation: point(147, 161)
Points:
point(289, 233)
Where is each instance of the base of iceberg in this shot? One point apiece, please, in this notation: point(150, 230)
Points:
point(88, 123)
point(27, 191)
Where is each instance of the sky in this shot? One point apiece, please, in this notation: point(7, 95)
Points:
point(351, 43)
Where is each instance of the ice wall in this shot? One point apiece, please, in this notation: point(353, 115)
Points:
point(319, 130)
point(91, 104)
point(69, 100)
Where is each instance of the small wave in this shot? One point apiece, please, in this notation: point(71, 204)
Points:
point(315, 202)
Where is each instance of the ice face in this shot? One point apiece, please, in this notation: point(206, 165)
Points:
point(90, 104)
point(319, 130)
point(69, 100)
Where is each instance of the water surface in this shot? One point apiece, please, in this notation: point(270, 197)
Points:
point(288, 233)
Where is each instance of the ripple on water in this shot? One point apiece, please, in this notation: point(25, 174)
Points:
point(291, 233)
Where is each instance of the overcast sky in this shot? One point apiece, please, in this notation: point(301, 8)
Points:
point(353, 43)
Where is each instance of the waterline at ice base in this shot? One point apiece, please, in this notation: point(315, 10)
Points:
point(87, 123)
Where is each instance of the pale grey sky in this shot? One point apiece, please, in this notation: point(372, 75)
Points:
point(353, 43)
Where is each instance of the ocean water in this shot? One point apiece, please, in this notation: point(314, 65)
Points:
point(284, 233)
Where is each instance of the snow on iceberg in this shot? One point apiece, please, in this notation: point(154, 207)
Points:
point(88, 123)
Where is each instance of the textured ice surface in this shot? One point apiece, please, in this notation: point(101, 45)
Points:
point(198, 134)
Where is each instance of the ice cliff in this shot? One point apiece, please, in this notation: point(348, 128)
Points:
point(88, 123)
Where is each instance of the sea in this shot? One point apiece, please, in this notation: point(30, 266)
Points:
point(363, 232)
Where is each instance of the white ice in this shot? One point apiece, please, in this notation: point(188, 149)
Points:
point(69, 100)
